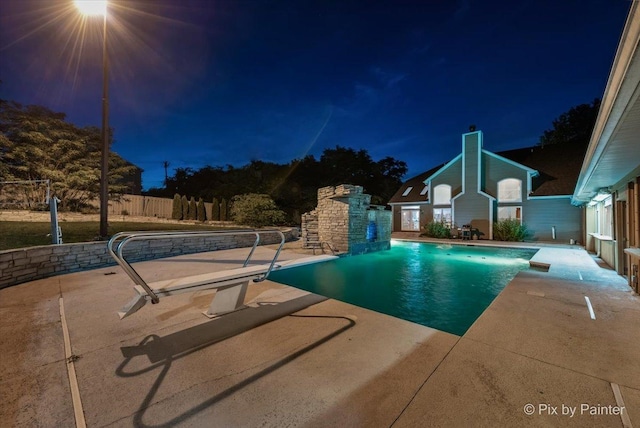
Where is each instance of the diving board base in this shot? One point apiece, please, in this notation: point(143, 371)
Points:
point(227, 299)
point(229, 296)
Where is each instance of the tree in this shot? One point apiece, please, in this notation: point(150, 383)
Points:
point(176, 210)
point(185, 207)
point(573, 127)
point(215, 210)
point(202, 216)
point(256, 210)
point(292, 186)
point(379, 179)
point(193, 209)
point(223, 210)
point(37, 143)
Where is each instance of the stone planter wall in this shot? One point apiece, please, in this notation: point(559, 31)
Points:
point(28, 264)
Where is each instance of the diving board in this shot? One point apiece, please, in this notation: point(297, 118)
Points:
point(230, 285)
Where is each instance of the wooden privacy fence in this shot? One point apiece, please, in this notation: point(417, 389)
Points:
point(145, 206)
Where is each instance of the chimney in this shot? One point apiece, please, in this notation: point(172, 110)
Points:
point(471, 151)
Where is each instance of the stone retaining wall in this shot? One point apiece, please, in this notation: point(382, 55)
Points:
point(28, 264)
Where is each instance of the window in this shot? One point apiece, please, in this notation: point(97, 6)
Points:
point(510, 190)
point(510, 212)
point(410, 220)
point(442, 194)
point(406, 192)
point(442, 215)
point(606, 219)
point(424, 191)
point(442, 204)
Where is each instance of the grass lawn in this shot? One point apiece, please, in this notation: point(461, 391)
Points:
point(20, 234)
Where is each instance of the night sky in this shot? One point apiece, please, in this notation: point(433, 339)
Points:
point(197, 82)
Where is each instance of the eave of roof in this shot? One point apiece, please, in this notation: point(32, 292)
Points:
point(613, 150)
point(417, 182)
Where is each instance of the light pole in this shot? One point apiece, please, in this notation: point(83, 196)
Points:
point(99, 7)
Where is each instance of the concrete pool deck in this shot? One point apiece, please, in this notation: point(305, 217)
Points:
point(295, 359)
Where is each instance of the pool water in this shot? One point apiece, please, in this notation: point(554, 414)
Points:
point(442, 286)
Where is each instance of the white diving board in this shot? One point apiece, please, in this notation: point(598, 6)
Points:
point(231, 284)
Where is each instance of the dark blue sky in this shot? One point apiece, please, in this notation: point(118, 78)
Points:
point(201, 82)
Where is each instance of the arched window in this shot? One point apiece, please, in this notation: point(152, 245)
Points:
point(510, 190)
point(442, 204)
point(442, 194)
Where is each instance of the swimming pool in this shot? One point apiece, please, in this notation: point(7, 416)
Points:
point(438, 285)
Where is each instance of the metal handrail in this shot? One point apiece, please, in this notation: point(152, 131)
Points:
point(333, 250)
point(116, 245)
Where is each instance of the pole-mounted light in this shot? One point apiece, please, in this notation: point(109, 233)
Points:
point(99, 8)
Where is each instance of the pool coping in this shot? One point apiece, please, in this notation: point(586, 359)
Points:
point(401, 373)
point(536, 262)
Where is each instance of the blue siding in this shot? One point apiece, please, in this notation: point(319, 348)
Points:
point(539, 215)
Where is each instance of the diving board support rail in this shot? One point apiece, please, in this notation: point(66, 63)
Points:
point(231, 284)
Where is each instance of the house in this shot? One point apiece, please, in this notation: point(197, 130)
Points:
point(478, 187)
point(609, 181)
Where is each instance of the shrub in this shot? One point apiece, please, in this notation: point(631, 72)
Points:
point(510, 230)
point(193, 209)
point(436, 229)
point(176, 210)
point(215, 210)
point(256, 210)
point(185, 207)
point(223, 210)
point(202, 214)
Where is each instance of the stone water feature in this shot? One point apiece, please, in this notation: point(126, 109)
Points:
point(345, 222)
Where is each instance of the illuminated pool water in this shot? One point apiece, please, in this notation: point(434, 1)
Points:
point(441, 286)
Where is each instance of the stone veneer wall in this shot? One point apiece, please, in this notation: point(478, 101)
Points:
point(341, 215)
point(28, 264)
point(341, 219)
point(382, 219)
point(309, 232)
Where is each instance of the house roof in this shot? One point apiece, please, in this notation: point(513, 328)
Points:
point(417, 185)
point(613, 150)
point(558, 167)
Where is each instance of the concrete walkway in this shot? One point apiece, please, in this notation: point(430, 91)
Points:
point(297, 359)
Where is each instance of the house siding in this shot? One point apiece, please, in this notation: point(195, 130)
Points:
point(451, 176)
point(541, 215)
point(471, 144)
point(472, 207)
point(496, 170)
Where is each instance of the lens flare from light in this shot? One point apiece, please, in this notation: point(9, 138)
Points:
point(92, 7)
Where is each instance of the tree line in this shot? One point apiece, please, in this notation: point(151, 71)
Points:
point(293, 186)
point(250, 209)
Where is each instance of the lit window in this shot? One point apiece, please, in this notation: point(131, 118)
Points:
point(606, 228)
point(442, 194)
point(410, 218)
point(442, 215)
point(406, 192)
point(424, 191)
point(510, 190)
point(506, 213)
